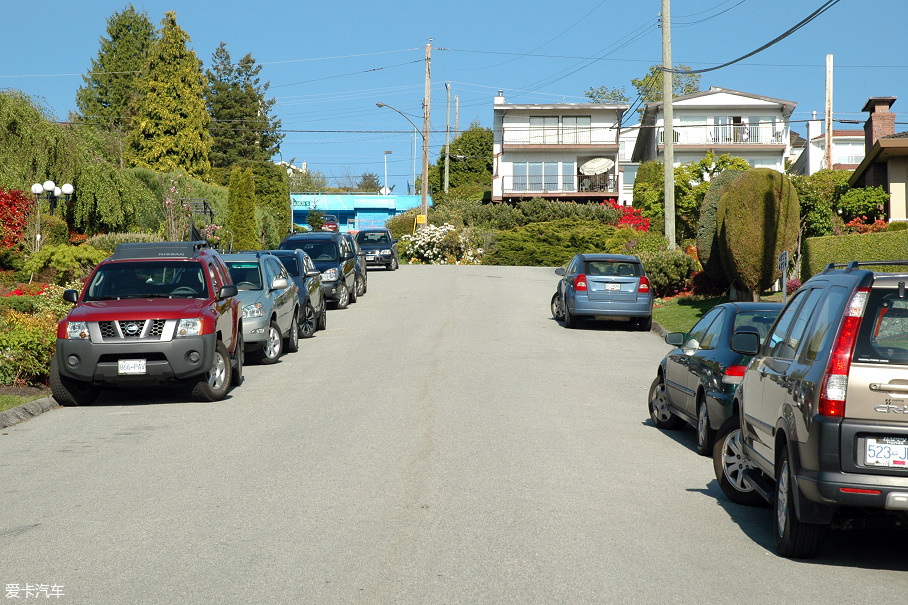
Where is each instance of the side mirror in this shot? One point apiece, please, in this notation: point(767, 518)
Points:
point(280, 283)
point(227, 292)
point(313, 273)
point(675, 338)
point(745, 341)
point(394, 241)
point(559, 271)
point(71, 296)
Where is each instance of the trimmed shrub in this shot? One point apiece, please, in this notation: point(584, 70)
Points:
point(757, 218)
point(548, 244)
point(702, 284)
point(54, 231)
point(866, 203)
point(27, 342)
point(109, 241)
point(668, 271)
point(885, 245)
point(897, 226)
point(707, 235)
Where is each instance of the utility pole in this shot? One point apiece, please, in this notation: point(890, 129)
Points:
point(447, 134)
point(668, 129)
point(424, 185)
point(456, 116)
point(828, 111)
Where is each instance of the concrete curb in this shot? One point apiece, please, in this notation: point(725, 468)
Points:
point(658, 329)
point(26, 411)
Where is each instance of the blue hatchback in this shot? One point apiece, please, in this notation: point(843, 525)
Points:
point(604, 285)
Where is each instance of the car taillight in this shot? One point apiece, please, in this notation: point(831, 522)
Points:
point(835, 383)
point(580, 283)
point(734, 375)
point(644, 285)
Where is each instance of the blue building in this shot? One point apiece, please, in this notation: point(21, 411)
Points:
point(353, 210)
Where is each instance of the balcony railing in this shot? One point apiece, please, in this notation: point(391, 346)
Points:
point(558, 135)
point(738, 134)
point(564, 183)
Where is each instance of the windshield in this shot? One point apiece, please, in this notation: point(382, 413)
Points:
point(319, 250)
point(364, 237)
point(245, 274)
point(148, 279)
point(761, 321)
point(612, 268)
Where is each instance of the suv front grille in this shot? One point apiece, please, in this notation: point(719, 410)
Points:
point(140, 329)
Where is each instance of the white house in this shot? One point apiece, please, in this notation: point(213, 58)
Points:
point(561, 151)
point(847, 149)
point(723, 121)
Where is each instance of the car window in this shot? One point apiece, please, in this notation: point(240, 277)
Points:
point(761, 321)
point(795, 338)
point(827, 321)
point(612, 268)
point(572, 268)
point(699, 330)
point(246, 274)
point(711, 337)
point(291, 264)
point(776, 342)
point(884, 328)
point(215, 280)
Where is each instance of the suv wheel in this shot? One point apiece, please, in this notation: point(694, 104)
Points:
point(68, 391)
point(323, 316)
point(729, 465)
point(354, 293)
point(274, 343)
point(309, 323)
point(658, 405)
point(363, 284)
point(705, 433)
point(293, 337)
point(213, 384)
point(793, 538)
point(343, 296)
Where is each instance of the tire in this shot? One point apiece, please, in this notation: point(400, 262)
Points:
point(236, 377)
point(309, 323)
point(645, 324)
point(69, 391)
point(557, 307)
point(323, 317)
point(570, 320)
point(354, 293)
point(343, 296)
point(705, 433)
point(292, 344)
point(214, 384)
point(365, 288)
point(395, 264)
point(794, 539)
point(274, 345)
point(658, 407)
point(729, 465)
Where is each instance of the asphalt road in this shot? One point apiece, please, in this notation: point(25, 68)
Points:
point(444, 441)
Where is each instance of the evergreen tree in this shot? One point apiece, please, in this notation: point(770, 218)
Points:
point(109, 85)
point(241, 127)
point(241, 210)
point(470, 162)
point(170, 125)
point(369, 181)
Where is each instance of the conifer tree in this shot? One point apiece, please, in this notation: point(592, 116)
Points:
point(170, 128)
point(104, 97)
point(241, 210)
point(241, 127)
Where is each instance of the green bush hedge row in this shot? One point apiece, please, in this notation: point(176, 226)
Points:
point(820, 251)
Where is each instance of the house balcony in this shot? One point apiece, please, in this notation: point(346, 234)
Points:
point(737, 134)
point(562, 137)
point(566, 187)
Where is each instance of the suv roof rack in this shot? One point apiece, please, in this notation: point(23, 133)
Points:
point(854, 265)
point(160, 250)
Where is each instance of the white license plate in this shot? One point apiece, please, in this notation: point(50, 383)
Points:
point(612, 286)
point(370, 257)
point(131, 366)
point(886, 451)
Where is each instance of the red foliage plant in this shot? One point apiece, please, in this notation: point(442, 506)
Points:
point(15, 207)
point(630, 217)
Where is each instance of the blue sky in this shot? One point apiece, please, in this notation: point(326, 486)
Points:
point(329, 63)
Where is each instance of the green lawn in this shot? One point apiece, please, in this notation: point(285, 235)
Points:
point(8, 402)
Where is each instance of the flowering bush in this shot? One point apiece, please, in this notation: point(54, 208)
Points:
point(859, 225)
point(27, 342)
point(28, 290)
point(433, 245)
point(792, 286)
point(15, 208)
point(630, 217)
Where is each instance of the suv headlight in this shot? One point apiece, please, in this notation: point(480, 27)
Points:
point(331, 274)
point(189, 327)
point(77, 330)
point(253, 310)
point(386, 251)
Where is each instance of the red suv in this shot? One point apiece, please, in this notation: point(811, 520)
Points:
point(152, 312)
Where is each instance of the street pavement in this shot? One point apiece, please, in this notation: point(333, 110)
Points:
point(443, 441)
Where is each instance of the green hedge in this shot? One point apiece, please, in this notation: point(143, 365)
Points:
point(548, 244)
point(820, 251)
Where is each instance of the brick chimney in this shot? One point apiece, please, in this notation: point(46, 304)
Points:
point(881, 122)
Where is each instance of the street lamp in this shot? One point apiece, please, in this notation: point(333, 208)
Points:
point(424, 179)
point(386, 172)
point(52, 193)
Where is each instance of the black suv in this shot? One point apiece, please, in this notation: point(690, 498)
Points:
point(152, 312)
point(334, 257)
point(380, 248)
point(821, 424)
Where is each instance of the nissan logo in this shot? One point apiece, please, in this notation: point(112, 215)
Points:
point(131, 329)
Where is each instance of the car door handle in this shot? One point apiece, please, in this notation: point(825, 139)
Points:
point(892, 388)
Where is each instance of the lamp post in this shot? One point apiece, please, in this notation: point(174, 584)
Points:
point(386, 172)
point(424, 179)
point(52, 193)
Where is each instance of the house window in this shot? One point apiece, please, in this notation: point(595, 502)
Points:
point(577, 130)
point(534, 176)
point(550, 176)
point(567, 176)
point(543, 130)
point(520, 176)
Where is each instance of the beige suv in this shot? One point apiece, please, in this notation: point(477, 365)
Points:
point(823, 408)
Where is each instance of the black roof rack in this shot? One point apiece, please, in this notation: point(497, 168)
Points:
point(159, 250)
point(853, 265)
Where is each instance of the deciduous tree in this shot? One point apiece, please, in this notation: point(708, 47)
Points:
point(604, 94)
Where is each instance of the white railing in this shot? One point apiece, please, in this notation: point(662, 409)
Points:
point(737, 134)
point(558, 135)
point(565, 183)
